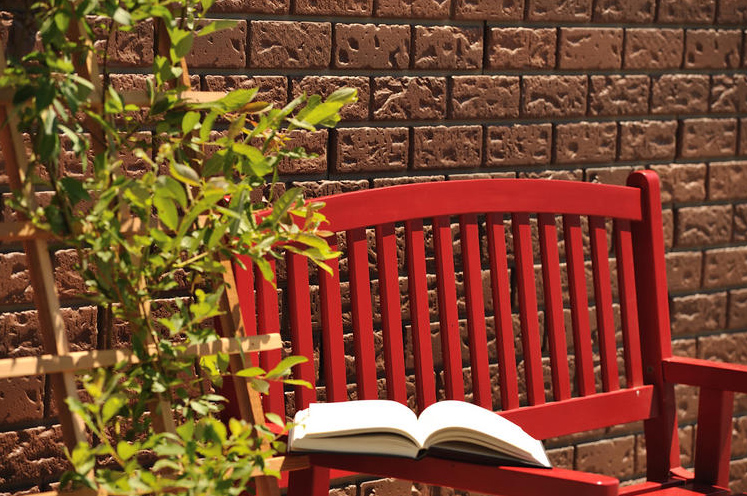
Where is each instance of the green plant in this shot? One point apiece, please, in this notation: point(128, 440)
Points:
point(161, 233)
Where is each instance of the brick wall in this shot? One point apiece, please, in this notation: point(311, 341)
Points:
point(584, 90)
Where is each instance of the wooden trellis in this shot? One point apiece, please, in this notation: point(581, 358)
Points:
point(58, 362)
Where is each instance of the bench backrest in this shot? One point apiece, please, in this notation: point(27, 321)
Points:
point(446, 258)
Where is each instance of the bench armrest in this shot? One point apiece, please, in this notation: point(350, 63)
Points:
point(706, 374)
point(507, 481)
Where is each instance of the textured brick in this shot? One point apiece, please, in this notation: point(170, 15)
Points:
point(21, 400)
point(684, 270)
point(521, 48)
point(740, 222)
point(554, 96)
point(325, 85)
point(731, 348)
point(649, 48)
point(581, 142)
point(313, 142)
point(679, 94)
point(315, 189)
point(33, 454)
point(333, 7)
point(409, 98)
point(126, 48)
point(687, 11)
point(484, 97)
point(624, 10)
point(727, 180)
point(447, 47)
point(608, 175)
point(20, 334)
point(385, 487)
point(682, 182)
point(371, 46)
point(732, 12)
point(728, 93)
point(272, 89)
point(725, 267)
point(224, 49)
point(371, 149)
point(737, 317)
point(552, 10)
point(16, 287)
point(648, 140)
point(518, 145)
point(708, 138)
point(698, 313)
point(590, 48)
point(743, 136)
point(425, 9)
point(250, 6)
point(614, 457)
point(447, 147)
point(712, 49)
point(489, 10)
point(284, 44)
point(618, 95)
point(704, 225)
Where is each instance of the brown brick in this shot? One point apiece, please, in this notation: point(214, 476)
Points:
point(618, 95)
point(371, 149)
point(313, 142)
point(386, 487)
point(581, 142)
point(613, 457)
point(21, 400)
point(704, 225)
point(725, 267)
point(648, 140)
point(682, 182)
point(272, 89)
point(698, 313)
point(679, 94)
point(590, 48)
point(712, 49)
point(667, 217)
point(325, 85)
point(285, 44)
point(555, 175)
point(552, 10)
point(684, 270)
point(737, 317)
point(687, 11)
point(371, 46)
point(409, 98)
point(731, 348)
point(447, 147)
point(738, 476)
point(33, 454)
point(419, 9)
point(554, 96)
point(728, 93)
point(126, 48)
point(521, 48)
point(727, 180)
point(315, 189)
point(624, 10)
point(16, 287)
point(740, 222)
point(224, 49)
point(650, 48)
point(447, 47)
point(489, 10)
point(732, 12)
point(484, 97)
point(333, 7)
point(743, 136)
point(608, 175)
point(518, 145)
point(250, 6)
point(708, 138)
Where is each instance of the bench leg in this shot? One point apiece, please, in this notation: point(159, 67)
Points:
point(713, 440)
point(312, 481)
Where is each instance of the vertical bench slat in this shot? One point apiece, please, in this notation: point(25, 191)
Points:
point(447, 308)
point(391, 312)
point(574, 253)
point(333, 351)
point(478, 352)
point(530, 333)
point(360, 302)
point(504, 333)
point(425, 384)
point(553, 293)
point(268, 321)
point(628, 303)
point(603, 303)
point(244, 278)
point(299, 307)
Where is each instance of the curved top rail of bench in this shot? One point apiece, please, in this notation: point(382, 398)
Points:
point(425, 200)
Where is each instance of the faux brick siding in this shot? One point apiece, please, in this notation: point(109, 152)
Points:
point(583, 90)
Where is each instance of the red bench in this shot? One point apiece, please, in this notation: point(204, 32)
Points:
point(582, 396)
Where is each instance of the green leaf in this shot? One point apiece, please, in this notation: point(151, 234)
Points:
point(216, 26)
point(283, 368)
point(167, 212)
point(207, 126)
point(189, 121)
point(112, 406)
point(181, 43)
point(283, 205)
point(236, 99)
point(74, 189)
point(275, 419)
point(126, 450)
point(298, 382)
point(344, 96)
point(184, 173)
point(250, 372)
point(122, 17)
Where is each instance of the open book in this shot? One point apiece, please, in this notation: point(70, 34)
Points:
point(446, 429)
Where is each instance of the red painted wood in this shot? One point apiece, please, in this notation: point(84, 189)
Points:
point(268, 321)
point(312, 481)
point(244, 277)
point(425, 383)
point(705, 373)
point(299, 310)
point(574, 254)
point(548, 238)
point(333, 351)
point(628, 304)
point(478, 352)
point(360, 302)
point(527, 295)
point(447, 309)
point(603, 301)
point(504, 333)
point(391, 312)
point(713, 438)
